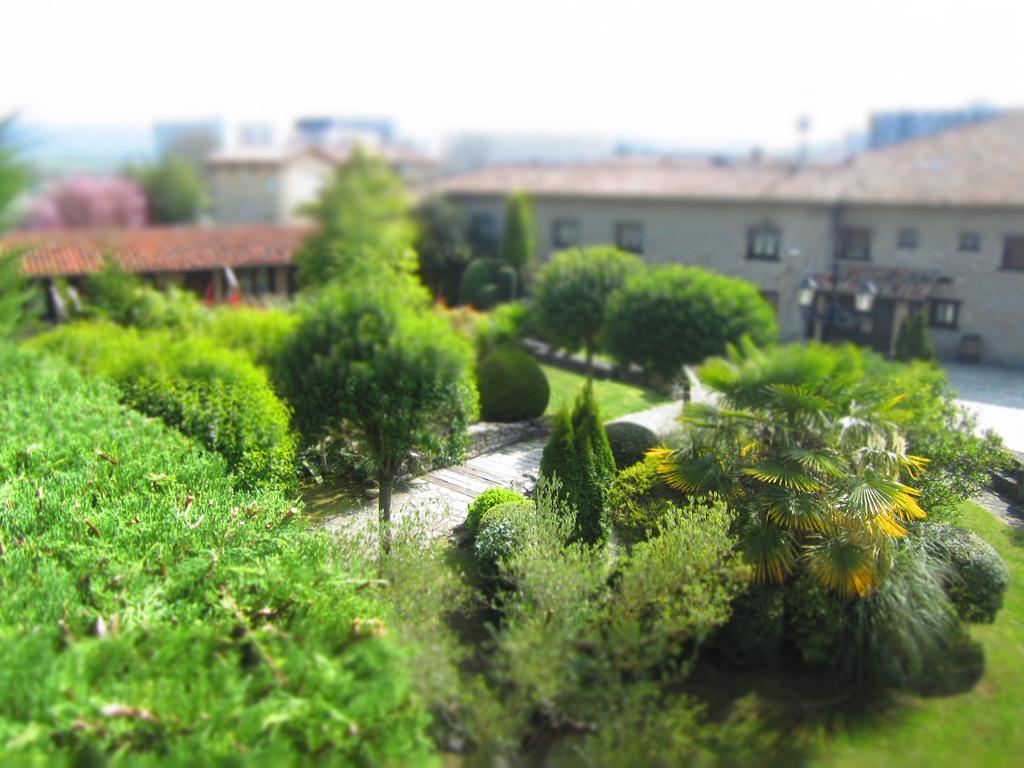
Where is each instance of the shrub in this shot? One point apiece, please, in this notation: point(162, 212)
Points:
point(442, 246)
point(262, 334)
point(816, 621)
point(913, 341)
point(500, 533)
point(487, 282)
point(579, 456)
point(638, 500)
point(213, 395)
point(489, 498)
point(512, 386)
point(172, 308)
point(756, 631)
point(573, 291)
point(503, 326)
point(960, 461)
point(629, 442)
point(151, 610)
point(977, 579)
point(671, 316)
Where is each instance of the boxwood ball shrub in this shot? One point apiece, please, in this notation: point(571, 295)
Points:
point(629, 442)
point(671, 316)
point(487, 282)
point(512, 386)
point(501, 531)
point(977, 579)
point(492, 497)
point(214, 395)
point(153, 611)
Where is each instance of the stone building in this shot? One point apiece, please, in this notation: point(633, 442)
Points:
point(935, 224)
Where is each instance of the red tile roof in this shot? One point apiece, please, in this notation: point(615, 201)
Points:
point(156, 249)
point(978, 165)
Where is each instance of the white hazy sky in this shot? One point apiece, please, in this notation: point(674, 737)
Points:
point(708, 73)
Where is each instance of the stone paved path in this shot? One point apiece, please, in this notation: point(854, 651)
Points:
point(995, 395)
point(440, 498)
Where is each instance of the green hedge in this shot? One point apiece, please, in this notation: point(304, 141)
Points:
point(977, 579)
point(151, 610)
point(629, 442)
point(638, 501)
point(492, 497)
point(501, 531)
point(512, 386)
point(260, 333)
point(214, 395)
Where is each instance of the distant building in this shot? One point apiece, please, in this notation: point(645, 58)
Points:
point(334, 131)
point(888, 128)
point(252, 261)
point(271, 184)
point(194, 140)
point(472, 151)
point(936, 225)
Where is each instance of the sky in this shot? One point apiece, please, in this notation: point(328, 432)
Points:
point(714, 73)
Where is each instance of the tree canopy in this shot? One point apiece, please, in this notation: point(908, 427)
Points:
point(174, 190)
point(364, 225)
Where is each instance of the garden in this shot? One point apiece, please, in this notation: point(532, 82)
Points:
point(796, 573)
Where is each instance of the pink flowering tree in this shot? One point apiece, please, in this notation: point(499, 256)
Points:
point(89, 201)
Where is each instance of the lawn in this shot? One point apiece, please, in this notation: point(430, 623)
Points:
point(980, 727)
point(615, 398)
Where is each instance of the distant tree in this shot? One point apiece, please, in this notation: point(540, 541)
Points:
point(175, 192)
point(518, 242)
point(671, 316)
point(373, 362)
point(365, 226)
point(16, 295)
point(573, 291)
point(442, 247)
point(88, 201)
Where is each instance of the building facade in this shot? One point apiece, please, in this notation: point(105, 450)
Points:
point(933, 225)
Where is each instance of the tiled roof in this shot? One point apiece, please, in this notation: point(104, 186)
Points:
point(156, 249)
point(977, 165)
point(891, 282)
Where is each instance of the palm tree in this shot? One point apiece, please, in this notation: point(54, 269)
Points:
point(809, 456)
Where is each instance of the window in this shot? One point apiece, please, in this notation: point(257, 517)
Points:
point(1013, 252)
point(907, 238)
point(565, 233)
point(970, 242)
point(854, 244)
point(943, 313)
point(254, 281)
point(629, 236)
point(763, 243)
point(483, 234)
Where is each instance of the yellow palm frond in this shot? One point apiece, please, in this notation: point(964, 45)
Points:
point(787, 475)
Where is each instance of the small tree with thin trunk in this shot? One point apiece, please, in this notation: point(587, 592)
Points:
point(374, 363)
point(573, 291)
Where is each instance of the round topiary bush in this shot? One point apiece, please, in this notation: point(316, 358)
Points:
point(502, 530)
point(512, 386)
point(629, 442)
point(978, 577)
point(492, 497)
point(638, 500)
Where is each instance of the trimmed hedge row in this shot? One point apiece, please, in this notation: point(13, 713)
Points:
point(152, 610)
point(216, 396)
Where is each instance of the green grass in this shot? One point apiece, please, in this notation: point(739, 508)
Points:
point(979, 727)
point(615, 398)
